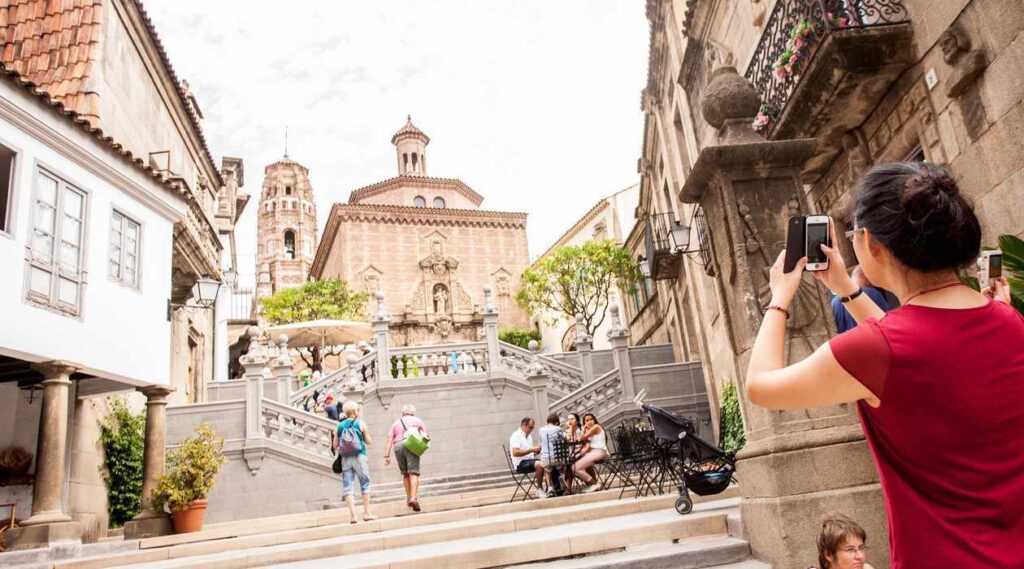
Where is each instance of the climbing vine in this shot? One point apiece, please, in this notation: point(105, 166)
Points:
point(121, 433)
point(732, 435)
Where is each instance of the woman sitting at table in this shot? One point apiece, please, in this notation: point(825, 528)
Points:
point(572, 435)
point(594, 436)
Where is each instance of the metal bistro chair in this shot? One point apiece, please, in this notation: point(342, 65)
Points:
point(563, 456)
point(524, 480)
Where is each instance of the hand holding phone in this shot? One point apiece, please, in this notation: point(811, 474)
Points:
point(990, 267)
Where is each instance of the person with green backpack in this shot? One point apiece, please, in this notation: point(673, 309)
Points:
point(350, 444)
point(408, 437)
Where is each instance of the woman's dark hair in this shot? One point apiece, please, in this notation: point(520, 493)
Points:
point(917, 212)
point(574, 416)
point(591, 415)
point(835, 529)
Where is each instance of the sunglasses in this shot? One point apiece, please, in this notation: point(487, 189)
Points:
point(851, 233)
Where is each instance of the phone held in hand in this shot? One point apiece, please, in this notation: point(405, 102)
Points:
point(990, 266)
point(795, 243)
point(816, 232)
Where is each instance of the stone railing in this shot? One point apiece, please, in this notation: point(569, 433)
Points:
point(599, 397)
point(795, 30)
point(562, 377)
point(333, 381)
point(297, 429)
point(445, 359)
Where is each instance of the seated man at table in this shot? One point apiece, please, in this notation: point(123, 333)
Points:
point(524, 453)
point(550, 437)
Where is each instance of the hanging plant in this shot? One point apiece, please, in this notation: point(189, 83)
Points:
point(763, 121)
point(838, 20)
point(789, 62)
point(731, 428)
point(123, 440)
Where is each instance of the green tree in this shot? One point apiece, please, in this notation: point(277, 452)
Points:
point(1013, 269)
point(731, 421)
point(316, 300)
point(121, 434)
point(519, 336)
point(577, 280)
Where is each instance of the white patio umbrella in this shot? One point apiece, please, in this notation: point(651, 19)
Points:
point(321, 333)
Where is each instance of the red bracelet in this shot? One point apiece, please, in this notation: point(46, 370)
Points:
point(779, 308)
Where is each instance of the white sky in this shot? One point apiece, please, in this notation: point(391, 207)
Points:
point(533, 103)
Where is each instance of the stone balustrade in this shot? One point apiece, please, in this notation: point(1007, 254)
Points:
point(297, 429)
point(601, 397)
point(334, 381)
point(446, 359)
point(563, 378)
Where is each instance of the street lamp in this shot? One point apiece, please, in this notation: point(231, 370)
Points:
point(231, 278)
point(679, 236)
point(204, 291)
point(645, 267)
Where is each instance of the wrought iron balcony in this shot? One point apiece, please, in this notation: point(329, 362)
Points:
point(665, 241)
point(821, 66)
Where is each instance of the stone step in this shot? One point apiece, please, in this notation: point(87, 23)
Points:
point(485, 542)
point(444, 489)
point(698, 552)
point(45, 557)
point(425, 481)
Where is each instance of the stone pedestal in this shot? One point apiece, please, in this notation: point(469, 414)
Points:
point(283, 372)
point(584, 347)
point(381, 320)
point(619, 338)
point(151, 522)
point(49, 522)
point(797, 465)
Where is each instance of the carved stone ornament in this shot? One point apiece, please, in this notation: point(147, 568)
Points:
point(729, 96)
point(967, 64)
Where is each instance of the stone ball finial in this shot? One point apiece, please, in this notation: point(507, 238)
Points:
point(729, 96)
point(282, 339)
point(254, 331)
point(379, 296)
point(533, 345)
point(614, 309)
point(352, 358)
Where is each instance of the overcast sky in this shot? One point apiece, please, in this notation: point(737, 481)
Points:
point(533, 103)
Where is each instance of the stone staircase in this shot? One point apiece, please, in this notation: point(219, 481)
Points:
point(474, 529)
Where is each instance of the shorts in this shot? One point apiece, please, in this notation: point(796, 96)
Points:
point(526, 465)
point(408, 462)
point(351, 467)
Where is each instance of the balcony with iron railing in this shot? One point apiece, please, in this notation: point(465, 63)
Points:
point(665, 239)
point(822, 66)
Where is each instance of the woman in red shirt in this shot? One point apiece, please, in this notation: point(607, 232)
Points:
point(939, 382)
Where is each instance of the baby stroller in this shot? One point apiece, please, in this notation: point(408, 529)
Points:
point(703, 468)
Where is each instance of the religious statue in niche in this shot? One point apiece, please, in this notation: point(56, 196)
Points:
point(440, 299)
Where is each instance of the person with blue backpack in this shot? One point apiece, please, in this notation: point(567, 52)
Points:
point(350, 443)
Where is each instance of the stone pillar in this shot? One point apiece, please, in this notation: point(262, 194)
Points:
point(380, 321)
point(151, 522)
point(221, 313)
point(283, 372)
point(49, 522)
point(254, 362)
point(354, 388)
point(619, 338)
point(584, 347)
point(796, 465)
point(537, 378)
point(490, 317)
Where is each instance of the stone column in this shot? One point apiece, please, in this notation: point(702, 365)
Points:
point(380, 321)
point(354, 388)
point(619, 338)
point(490, 317)
point(584, 347)
point(283, 372)
point(537, 378)
point(49, 522)
point(254, 362)
point(151, 522)
point(797, 465)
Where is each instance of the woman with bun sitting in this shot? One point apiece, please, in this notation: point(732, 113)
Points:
point(938, 382)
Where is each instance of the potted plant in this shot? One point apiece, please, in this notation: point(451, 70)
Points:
point(191, 471)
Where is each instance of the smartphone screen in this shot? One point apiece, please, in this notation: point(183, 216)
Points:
point(817, 235)
point(995, 266)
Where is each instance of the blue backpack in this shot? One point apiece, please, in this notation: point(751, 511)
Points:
point(350, 439)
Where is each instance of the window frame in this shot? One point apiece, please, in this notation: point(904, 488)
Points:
point(137, 286)
point(53, 266)
point(284, 248)
point(444, 203)
point(9, 229)
point(417, 199)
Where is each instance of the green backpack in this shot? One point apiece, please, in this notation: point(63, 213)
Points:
point(416, 441)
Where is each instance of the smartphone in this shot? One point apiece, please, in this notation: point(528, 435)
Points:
point(816, 234)
point(795, 243)
point(990, 266)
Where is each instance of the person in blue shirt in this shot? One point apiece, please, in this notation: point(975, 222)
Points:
point(844, 321)
point(354, 465)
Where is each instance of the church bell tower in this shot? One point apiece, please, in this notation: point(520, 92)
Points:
point(411, 147)
point(286, 228)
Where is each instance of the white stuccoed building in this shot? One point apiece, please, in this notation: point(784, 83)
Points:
point(86, 236)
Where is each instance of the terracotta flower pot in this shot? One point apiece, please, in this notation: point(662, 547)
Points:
point(190, 519)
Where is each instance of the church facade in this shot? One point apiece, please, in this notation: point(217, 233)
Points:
point(426, 244)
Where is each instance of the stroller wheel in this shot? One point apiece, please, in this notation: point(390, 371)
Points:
point(684, 505)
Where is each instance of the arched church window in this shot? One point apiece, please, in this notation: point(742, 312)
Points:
point(415, 162)
point(419, 201)
point(289, 244)
point(287, 190)
point(405, 162)
point(439, 202)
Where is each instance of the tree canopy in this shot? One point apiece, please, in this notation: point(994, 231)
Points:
point(315, 300)
point(578, 280)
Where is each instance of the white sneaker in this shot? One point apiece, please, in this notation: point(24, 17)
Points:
point(592, 488)
point(541, 494)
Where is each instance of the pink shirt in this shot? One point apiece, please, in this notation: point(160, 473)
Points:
point(411, 421)
point(948, 436)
